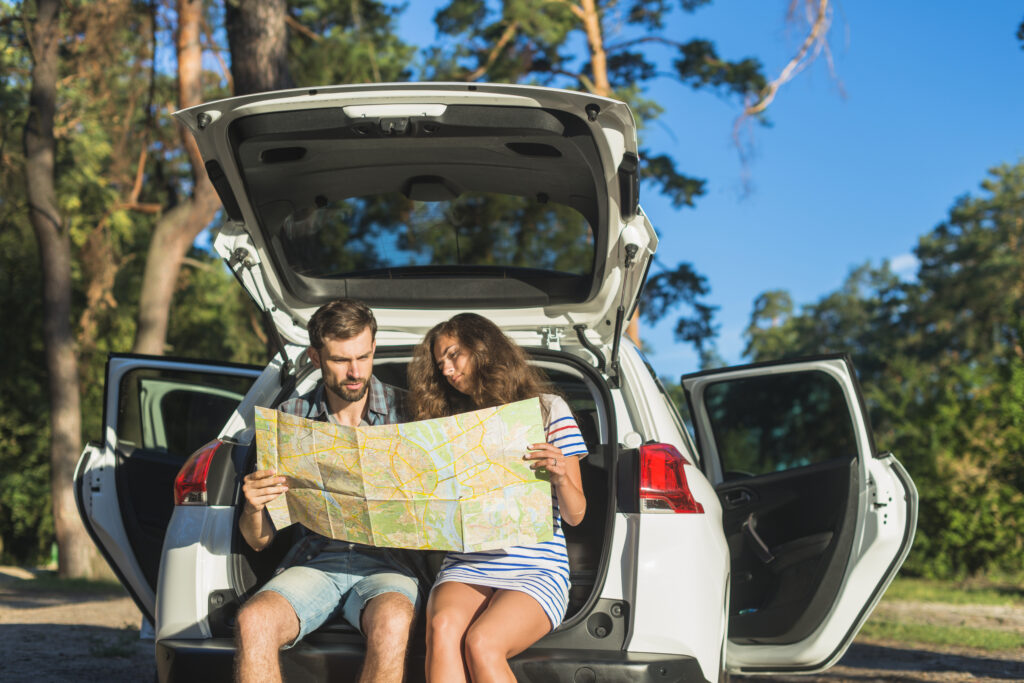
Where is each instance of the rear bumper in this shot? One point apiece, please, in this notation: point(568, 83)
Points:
point(196, 661)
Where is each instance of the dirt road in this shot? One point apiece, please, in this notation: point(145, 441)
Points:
point(53, 637)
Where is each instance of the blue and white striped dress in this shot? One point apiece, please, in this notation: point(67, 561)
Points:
point(542, 570)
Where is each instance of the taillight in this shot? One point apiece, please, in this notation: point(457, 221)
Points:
point(663, 485)
point(190, 484)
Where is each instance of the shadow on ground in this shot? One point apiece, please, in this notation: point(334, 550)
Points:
point(47, 653)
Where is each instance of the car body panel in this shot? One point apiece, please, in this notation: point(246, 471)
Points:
point(625, 238)
point(845, 565)
point(194, 567)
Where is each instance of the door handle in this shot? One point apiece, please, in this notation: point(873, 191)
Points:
point(737, 497)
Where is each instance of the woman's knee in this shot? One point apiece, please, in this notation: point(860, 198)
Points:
point(481, 648)
point(445, 627)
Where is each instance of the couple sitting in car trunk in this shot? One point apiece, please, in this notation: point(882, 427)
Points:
point(484, 606)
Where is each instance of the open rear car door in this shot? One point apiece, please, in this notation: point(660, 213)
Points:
point(156, 412)
point(817, 521)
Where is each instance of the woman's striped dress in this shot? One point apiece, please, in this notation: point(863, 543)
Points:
point(542, 570)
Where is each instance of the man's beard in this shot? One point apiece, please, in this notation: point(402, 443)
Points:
point(340, 391)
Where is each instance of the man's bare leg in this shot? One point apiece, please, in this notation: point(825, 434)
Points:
point(266, 623)
point(387, 622)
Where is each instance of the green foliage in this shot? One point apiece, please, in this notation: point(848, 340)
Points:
point(213, 317)
point(349, 42)
point(26, 520)
point(941, 360)
point(666, 290)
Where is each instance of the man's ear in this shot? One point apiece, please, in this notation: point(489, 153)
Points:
point(314, 356)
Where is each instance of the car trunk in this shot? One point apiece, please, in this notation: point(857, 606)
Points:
point(586, 394)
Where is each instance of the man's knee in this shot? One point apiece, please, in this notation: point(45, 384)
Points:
point(387, 619)
point(268, 618)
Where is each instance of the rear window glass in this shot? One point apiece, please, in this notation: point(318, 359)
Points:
point(374, 236)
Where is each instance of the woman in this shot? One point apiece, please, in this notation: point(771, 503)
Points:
point(491, 605)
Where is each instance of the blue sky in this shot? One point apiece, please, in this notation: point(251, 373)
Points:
point(926, 97)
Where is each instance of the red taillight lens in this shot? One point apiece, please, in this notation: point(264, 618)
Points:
point(663, 485)
point(190, 484)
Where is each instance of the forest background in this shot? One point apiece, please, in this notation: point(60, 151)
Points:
point(105, 211)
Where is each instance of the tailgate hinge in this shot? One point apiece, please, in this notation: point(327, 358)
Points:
point(552, 338)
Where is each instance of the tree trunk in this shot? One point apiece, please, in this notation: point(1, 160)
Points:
point(178, 228)
point(76, 552)
point(591, 18)
point(258, 40)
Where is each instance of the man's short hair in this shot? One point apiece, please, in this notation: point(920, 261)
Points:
point(340, 319)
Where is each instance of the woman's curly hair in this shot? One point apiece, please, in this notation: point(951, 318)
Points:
point(501, 373)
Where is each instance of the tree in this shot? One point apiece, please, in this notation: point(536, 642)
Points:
point(258, 39)
point(55, 257)
point(180, 223)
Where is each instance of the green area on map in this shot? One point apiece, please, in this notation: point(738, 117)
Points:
point(453, 483)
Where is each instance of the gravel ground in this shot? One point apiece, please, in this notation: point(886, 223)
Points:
point(58, 637)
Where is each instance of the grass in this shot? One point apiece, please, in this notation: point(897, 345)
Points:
point(948, 593)
point(930, 634)
point(47, 582)
point(971, 593)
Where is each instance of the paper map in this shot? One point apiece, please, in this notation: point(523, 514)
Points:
point(454, 483)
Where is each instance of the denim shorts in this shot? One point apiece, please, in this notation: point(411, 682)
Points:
point(341, 579)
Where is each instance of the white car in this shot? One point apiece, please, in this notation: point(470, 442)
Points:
point(759, 546)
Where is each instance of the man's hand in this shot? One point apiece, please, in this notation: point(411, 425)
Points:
point(260, 488)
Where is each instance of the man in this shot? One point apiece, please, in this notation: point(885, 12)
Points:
point(374, 590)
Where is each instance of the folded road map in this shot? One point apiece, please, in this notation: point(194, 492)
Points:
point(453, 483)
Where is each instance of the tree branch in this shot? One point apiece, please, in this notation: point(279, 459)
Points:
point(645, 39)
point(598, 59)
point(814, 38)
point(506, 37)
point(301, 28)
point(212, 46)
point(573, 7)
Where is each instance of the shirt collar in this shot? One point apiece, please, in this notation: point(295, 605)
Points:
point(376, 403)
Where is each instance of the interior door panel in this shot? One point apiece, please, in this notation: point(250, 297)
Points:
point(789, 535)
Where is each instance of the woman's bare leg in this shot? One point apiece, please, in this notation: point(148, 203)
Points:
point(451, 608)
point(511, 622)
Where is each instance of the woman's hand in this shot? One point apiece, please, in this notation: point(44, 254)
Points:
point(565, 478)
point(549, 458)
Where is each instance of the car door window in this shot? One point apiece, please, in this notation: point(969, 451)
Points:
point(779, 422)
point(175, 411)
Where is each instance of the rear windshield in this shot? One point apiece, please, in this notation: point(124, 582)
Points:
point(382, 235)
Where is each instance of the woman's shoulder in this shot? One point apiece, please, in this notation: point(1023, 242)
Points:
point(556, 406)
